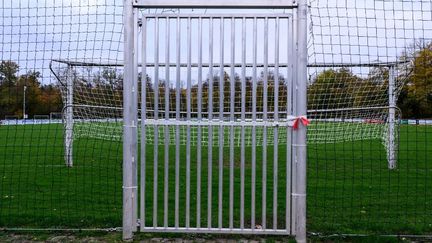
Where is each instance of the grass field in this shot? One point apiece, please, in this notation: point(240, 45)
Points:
point(350, 189)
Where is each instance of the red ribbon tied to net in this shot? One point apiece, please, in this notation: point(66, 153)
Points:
point(300, 119)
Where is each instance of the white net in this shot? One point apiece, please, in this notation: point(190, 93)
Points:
point(229, 80)
point(346, 106)
point(96, 96)
point(359, 53)
point(97, 110)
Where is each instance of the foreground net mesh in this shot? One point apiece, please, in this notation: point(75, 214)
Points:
point(353, 48)
point(36, 189)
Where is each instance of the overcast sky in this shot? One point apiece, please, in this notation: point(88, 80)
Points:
point(341, 31)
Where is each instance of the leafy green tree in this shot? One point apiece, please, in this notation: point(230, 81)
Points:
point(33, 93)
point(8, 91)
point(416, 96)
point(41, 99)
point(8, 72)
point(334, 89)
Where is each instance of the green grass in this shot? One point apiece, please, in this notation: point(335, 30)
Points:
point(350, 189)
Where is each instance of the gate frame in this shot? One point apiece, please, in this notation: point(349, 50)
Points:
point(130, 101)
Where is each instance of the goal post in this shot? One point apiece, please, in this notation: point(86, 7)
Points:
point(69, 118)
point(299, 146)
point(392, 132)
point(130, 109)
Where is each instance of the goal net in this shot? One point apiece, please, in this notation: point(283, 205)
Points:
point(92, 92)
point(360, 56)
point(357, 68)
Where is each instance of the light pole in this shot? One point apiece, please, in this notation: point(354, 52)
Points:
point(24, 102)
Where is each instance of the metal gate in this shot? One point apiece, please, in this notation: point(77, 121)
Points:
point(218, 94)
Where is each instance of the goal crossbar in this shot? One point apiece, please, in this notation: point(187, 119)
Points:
point(83, 63)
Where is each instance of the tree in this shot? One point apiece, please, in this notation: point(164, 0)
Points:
point(41, 99)
point(8, 72)
point(416, 96)
point(8, 91)
point(335, 89)
point(33, 93)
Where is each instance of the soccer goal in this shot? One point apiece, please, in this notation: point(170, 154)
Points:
point(348, 106)
point(11, 117)
point(11, 120)
point(357, 109)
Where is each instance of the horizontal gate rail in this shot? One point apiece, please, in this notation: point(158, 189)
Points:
point(249, 65)
point(217, 16)
point(214, 122)
point(217, 230)
point(77, 63)
point(268, 4)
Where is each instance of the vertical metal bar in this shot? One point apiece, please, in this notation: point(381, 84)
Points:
point(294, 95)
point(177, 138)
point(232, 101)
point(265, 110)
point(166, 132)
point(188, 117)
point(300, 193)
point(276, 129)
point(221, 128)
point(156, 127)
point(254, 109)
point(143, 120)
point(391, 148)
point(289, 84)
point(199, 135)
point(69, 118)
point(135, 118)
point(243, 112)
point(210, 128)
point(129, 128)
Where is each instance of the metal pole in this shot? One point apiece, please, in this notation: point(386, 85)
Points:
point(299, 194)
point(135, 119)
point(69, 119)
point(391, 148)
point(143, 125)
point(129, 125)
point(290, 84)
point(24, 102)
